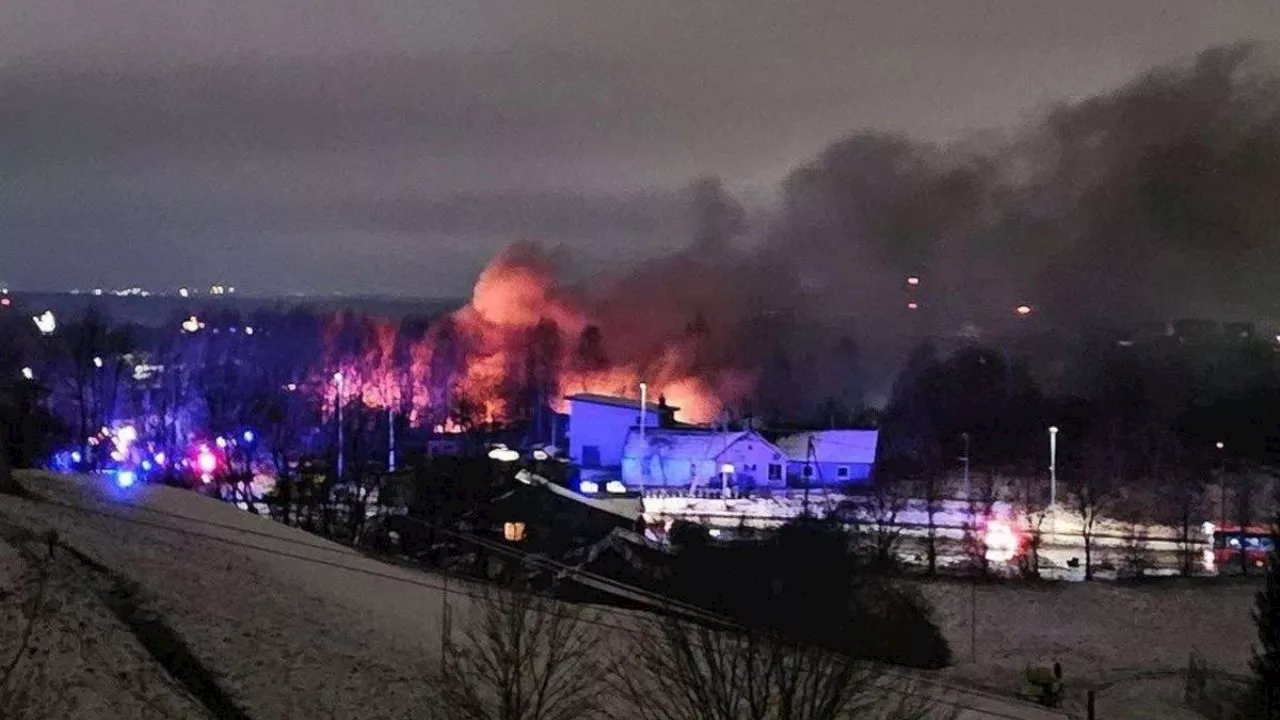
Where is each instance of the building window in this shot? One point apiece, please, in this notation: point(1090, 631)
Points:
point(808, 471)
point(591, 456)
point(842, 472)
point(775, 471)
point(513, 531)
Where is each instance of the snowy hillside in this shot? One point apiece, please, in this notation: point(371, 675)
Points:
point(297, 627)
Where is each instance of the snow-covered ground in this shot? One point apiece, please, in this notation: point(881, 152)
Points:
point(1130, 641)
point(80, 662)
point(296, 626)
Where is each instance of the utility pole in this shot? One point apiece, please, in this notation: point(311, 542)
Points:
point(391, 440)
point(340, 380)
point(644, 406)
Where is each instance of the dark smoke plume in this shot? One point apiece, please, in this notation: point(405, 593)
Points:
point(1155, 201)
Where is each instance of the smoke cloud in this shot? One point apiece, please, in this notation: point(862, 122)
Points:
point(1155, 201)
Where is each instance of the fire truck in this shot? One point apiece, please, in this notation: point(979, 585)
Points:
point(1255, 542)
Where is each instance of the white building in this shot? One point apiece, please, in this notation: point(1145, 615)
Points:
point(695, 457)
point(839, 457)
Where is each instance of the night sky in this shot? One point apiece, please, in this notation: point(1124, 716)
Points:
point(392, 147)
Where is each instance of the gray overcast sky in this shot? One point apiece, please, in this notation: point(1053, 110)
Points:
point(394, 145)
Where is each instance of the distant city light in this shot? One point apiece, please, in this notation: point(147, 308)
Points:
point(146, 464)
point(248, 330)
point(97, 291)
point(221, 442)
point(1023, 309)
point(913, 280)
point(248, 436)
point(183, 292)
point(291, 387)
point(160, 458)
point(97, 362)
point(1219, 445)
point(192, 324)
point(76, 456)
point(28, 373)
point(913, 306)
point(46, 323)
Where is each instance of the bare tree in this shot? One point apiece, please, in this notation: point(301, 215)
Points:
point(525, 657)
point(984, 491)
point(677, 670)
point(931, 485)
point(1244, 497)
point(1032, 500)
point(874, 512)
point(1096, 487)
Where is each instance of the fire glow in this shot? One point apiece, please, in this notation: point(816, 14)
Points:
point(524, 340)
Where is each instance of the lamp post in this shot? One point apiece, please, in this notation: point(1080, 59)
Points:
point(339, 380)
point(1053, 465)
point(1222, 484)
point(644, 405)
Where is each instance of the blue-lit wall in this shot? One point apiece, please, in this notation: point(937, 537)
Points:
point(604, 428)
point(827, 474)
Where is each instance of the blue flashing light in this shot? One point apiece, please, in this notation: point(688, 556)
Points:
point(126, 478)
point(248, 436)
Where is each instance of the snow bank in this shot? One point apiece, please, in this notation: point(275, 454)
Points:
point(82, 663)
point(297, 626)
point(1101, 632)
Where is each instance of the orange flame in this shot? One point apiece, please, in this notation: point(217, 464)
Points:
point(522, 333)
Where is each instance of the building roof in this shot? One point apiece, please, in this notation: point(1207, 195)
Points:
point(617, 402)
point(855, 447)
point(694, 444)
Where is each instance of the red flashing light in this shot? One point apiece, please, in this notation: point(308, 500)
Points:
point(206, 461)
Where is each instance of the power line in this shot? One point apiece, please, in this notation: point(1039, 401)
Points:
point(480, 596)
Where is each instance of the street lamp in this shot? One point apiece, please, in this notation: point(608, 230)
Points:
point(1222, 482)
point(1053, 465)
